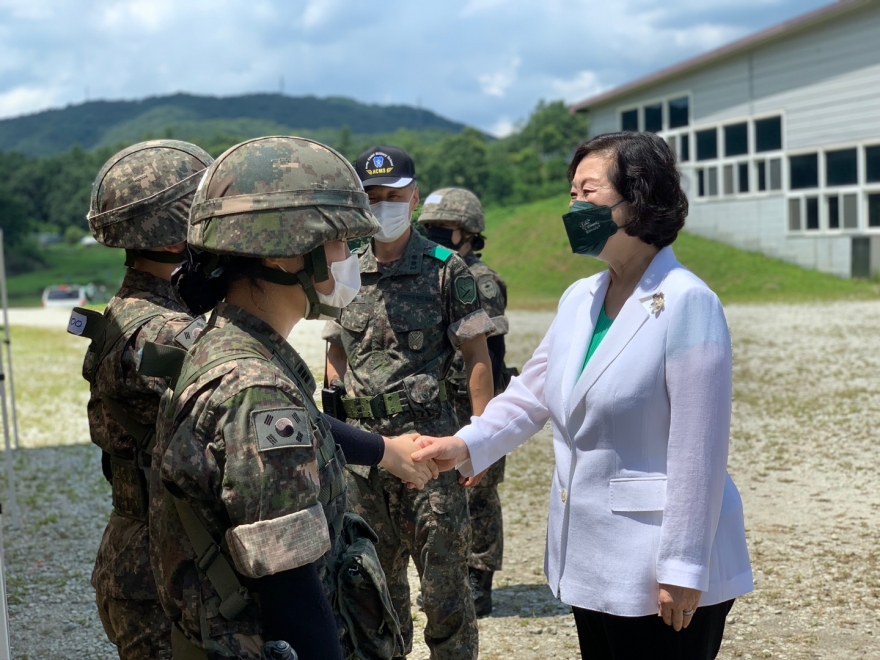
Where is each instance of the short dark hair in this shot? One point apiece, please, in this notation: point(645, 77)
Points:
point(643, 171)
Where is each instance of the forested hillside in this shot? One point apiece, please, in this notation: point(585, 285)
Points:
point(107, 123)
point(50, 195)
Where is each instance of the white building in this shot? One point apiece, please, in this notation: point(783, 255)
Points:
point(777, 136)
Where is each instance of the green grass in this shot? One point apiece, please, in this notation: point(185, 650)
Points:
point(77, 264)
point(528, 246)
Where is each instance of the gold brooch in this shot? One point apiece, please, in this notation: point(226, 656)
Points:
point(658, 300)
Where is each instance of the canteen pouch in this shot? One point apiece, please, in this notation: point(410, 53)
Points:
point(372, 629)
point(423, 393)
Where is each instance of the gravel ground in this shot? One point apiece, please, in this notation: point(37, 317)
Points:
point(802, 452)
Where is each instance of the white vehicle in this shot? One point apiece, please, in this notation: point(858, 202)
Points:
point(65, 295)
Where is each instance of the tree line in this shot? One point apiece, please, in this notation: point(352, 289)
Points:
point(50, 195)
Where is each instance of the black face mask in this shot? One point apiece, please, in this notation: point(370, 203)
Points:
point(443, 236)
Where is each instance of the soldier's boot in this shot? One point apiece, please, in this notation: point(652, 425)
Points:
point(481, 586)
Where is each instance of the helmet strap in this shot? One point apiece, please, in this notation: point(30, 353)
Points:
point(315, 264)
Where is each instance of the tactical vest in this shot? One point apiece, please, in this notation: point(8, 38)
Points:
point(106, 332)
point(352, 574)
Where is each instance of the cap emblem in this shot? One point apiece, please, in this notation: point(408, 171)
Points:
point(381, 164)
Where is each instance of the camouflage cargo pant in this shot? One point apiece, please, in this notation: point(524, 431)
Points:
point(431, 526)
point(487, 527)
point(138, 628)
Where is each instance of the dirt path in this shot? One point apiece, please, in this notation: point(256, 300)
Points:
point(805, 419)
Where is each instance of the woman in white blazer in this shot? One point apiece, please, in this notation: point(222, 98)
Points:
point(645, 538)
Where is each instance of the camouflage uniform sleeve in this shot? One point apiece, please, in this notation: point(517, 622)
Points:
point(270, 483)
point(465, 317)
point(332, 333)
point(493, 296)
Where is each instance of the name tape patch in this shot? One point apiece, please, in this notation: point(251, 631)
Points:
point(77, 323)
point(433, 198)
point(277, 428)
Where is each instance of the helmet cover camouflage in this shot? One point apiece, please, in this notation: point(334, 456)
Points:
point(141, 197)
point(278, 197)
point(455, 206)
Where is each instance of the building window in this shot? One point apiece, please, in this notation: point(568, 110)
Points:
point(678, 112)
point(671, 140)
point(728, 179)
point(812, 212)
point(707, 144)
point(804, 171)
point(629, 120)
point(794, 214)
point(654, 118)
point(701, 182)
point(768, 134)
point(684, 151)
point(874, 210)
point(775, 173)
point(736, 139)
point(712, 181)
point(850, 211)
point(841, 167)
point(743, 175)
point(833, 212)
point(872, 163)
point(761, 167)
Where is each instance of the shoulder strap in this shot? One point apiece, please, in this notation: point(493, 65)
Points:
point(441, 253)
point(211, 560)
point(187, 376)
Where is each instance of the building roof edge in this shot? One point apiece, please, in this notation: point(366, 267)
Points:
point(745, 44)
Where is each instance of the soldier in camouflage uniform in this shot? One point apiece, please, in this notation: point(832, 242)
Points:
point(394, 346)
point(453, 217)
point(248, 498)
point(140, 201)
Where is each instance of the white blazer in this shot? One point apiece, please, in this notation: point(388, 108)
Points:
point(640, 493)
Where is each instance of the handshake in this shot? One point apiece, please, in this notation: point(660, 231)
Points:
point(416, 459)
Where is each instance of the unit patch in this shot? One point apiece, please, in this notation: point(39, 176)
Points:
point(465, 289)
point(282, 427)
point(488, 287)
point(416, 340)
point(190, 333)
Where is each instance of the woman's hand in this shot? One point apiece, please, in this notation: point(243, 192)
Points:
point(399, 462)
point(445, 452)
point(678, 604)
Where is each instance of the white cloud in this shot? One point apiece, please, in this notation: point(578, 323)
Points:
point(497, 84)
point(484, 62)
point(503, 127)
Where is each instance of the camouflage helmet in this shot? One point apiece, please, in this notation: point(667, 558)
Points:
point(141, 197)
point(455, 206)
point(278, 197)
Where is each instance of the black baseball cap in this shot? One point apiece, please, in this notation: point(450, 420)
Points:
point(385, 166)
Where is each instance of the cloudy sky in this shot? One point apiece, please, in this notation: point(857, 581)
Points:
point(483, 62)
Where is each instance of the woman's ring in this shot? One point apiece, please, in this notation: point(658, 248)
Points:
point(688, 612)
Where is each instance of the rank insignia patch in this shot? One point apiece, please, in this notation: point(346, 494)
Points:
point(281, 427)
point(416, 340)
point(465, 289)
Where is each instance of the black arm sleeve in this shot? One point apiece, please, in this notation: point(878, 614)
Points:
point(360, 447)
point(295, 609)
point(497, 349)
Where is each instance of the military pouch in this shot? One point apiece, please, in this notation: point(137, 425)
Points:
point(372, 629)
point(331, 401)
point(424, 394)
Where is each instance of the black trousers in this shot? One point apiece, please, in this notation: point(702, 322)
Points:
point(609, 637)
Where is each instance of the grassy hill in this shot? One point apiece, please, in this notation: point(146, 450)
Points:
point(528, 246)
point(106, 123)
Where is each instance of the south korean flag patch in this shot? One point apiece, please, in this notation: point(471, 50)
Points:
point(276, 428)
point(186, 337)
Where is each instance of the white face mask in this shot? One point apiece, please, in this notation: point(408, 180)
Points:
point(394, 218)
point(347, 282)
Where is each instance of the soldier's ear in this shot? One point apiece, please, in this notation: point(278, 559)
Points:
point(415, 198)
